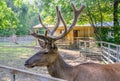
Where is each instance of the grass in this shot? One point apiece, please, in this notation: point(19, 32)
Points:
point(21, 43)
point(9, 56)
point(16, 57)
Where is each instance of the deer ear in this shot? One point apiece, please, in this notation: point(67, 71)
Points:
point(41, 43)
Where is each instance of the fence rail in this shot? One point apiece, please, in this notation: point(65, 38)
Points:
point(109, 52)
point(19, 38)
point(14, 71)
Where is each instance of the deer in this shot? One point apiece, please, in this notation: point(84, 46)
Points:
point(49, 56)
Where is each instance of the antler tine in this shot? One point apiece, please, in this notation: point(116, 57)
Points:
point(43, 24)
point(39, 36)
point(77, 12)
point(76, 15)
point(59, 17)
point(73, 6)
point(58, 21)
point(65, 27)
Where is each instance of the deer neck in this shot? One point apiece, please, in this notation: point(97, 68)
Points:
point(59, 68)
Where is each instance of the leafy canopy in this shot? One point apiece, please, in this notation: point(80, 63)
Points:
point(8, 18)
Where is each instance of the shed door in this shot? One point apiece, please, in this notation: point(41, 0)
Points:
point(75, 32)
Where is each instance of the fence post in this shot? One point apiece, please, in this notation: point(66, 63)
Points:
point(12, 77)
point(101, 48)
point(85, 47)
point(117, 55)
point(77, 42)
point(108, 52)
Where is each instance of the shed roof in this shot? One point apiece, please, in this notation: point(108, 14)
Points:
point(111, 24)
point(40, 26)
point(52, 26)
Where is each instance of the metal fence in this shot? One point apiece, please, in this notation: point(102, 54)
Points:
point(90, 48)
point(28, 76)
point(27, 39)
point(108, 52)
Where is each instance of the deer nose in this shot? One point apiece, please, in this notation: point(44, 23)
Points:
point(26, 64)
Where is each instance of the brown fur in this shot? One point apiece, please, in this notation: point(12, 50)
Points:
point(82, 72)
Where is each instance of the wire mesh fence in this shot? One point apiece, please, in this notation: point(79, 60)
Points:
point(21, 40)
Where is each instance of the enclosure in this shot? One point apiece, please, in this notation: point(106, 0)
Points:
point(14, 55)
point(95, 38)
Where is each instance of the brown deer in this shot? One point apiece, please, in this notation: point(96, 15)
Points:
point(57, 67)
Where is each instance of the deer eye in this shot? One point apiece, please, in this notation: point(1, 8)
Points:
point(46, 53)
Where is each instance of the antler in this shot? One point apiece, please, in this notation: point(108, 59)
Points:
point(58, 20)
point(76, 15)
point(50, 36)
point(43, 24)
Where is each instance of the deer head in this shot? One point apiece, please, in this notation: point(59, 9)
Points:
point(48, 54)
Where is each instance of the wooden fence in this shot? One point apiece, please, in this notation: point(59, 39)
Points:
point(90, 49)
point(32, 76)
point(109, 52)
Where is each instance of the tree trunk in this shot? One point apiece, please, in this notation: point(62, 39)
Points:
point(115, 12)
point(115, 19)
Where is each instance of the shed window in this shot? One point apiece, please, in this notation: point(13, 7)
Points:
point(41, 31)
point(111, 34)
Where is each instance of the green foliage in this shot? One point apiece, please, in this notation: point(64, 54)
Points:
point(18, 16)
point(50, 11)
point(105, 10)
point(19, 12)
point(23, 20)
point(7, 32)
point(18, 3)
point(101, 11)
point(8, 18)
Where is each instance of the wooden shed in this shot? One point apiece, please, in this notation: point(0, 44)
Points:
point(82, 32)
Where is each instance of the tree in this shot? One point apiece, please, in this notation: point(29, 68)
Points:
point(8, 18)
point(116, 27)
point(20, 9)
point(25, 14)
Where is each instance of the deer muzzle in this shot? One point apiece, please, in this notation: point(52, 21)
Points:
point(29, 65)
